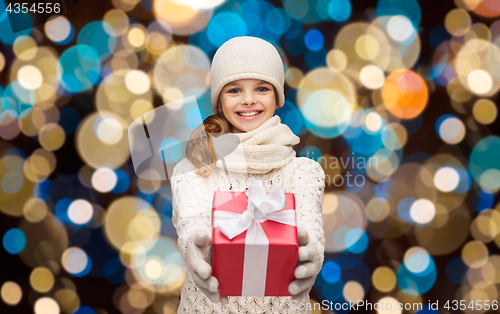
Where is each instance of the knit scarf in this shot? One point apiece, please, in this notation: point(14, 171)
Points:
point(258, 151)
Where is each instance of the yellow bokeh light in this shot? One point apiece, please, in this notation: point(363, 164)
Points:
point(136, 37)
point(104, 179)
point(484, 111)
point(446, 179)
point(184, 17)
point(480, 82)
point(201, 4)
point(372, 76)
point(25, 47)
point(353, 291)
point(179, 70)
point(140, 107)
point(171, 94)
point(396, 136)
point(416, 259)
point(80, 211)
point(336, 59)
point(41, 279)
point(96, 151)
point(46, 305)
point(400, 28)
point(137, 82)
point(11, 293)
point(58, 29)
point(52, 136)
point(422, 211)
point(452, 131)
point(315, 307)
point(153, 268)
point(293, 77)
point(377, 209)
point(486, 226)
point(474, 254)
point(137, 298)
point(457, 22)
point(68, 300)
point(489, 270)
point(327, 108)
point(384, 279)
point(332, 173)
point(2, 62)
point(390, 306)
point(373, 121)
point(157, 43)
point(114, 96)
point(43, 162)
point(30, 77)
point(116, 22)
point(74, 260)
point(330, 203)
point(125, 5)
point(35, 210)
point(367, 47)
point(457, 91)
point(126, 219)
point(109, 130)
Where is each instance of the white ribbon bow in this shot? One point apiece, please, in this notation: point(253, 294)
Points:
point(262, 206)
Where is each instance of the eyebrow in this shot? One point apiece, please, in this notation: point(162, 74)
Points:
point(235, 83)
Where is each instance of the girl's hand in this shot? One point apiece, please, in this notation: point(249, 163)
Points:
point(306, 272)
point(202, 271)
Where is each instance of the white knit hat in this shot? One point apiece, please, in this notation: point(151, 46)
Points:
point(246, 57)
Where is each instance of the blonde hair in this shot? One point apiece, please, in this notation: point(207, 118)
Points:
point(199, 149)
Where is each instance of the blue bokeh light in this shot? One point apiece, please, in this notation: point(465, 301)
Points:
point(416, 283)
point(14, 241)
point(409, 8)
point(331, 272)
point(356, 240)
point(314, 40)
point(224, 26)
point(79, 68)
point(340, 10)
point(94, 35)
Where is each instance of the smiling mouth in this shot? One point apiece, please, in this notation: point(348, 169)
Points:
point(250, 114)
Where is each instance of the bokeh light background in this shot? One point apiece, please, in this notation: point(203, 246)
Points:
point(411, 83)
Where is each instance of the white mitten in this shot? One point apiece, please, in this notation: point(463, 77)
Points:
point(306, 271)
point(202, 271)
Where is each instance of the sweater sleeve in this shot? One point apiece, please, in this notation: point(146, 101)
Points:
point(191, 204)
point(308, 186)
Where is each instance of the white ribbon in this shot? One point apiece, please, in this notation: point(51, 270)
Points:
point(262, 206)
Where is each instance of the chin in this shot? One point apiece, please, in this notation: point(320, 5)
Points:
point(250, 124)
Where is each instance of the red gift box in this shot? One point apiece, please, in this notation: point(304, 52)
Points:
point(240, 268)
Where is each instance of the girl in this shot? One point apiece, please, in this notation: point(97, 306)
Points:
point(247, 80)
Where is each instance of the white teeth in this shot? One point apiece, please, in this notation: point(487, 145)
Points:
point(249, 114)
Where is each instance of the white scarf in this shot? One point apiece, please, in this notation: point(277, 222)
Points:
point(258, 151)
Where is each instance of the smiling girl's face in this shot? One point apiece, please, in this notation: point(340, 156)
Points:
point(247, 104)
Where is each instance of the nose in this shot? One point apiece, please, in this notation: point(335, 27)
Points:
point(249, 98)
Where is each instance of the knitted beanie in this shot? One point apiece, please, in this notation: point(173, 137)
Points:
point(246, 57)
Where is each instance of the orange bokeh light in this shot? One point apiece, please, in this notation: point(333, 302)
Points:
point(486, 8)
point(405, 94)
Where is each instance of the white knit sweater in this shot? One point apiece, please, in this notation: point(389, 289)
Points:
point(192, 205)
